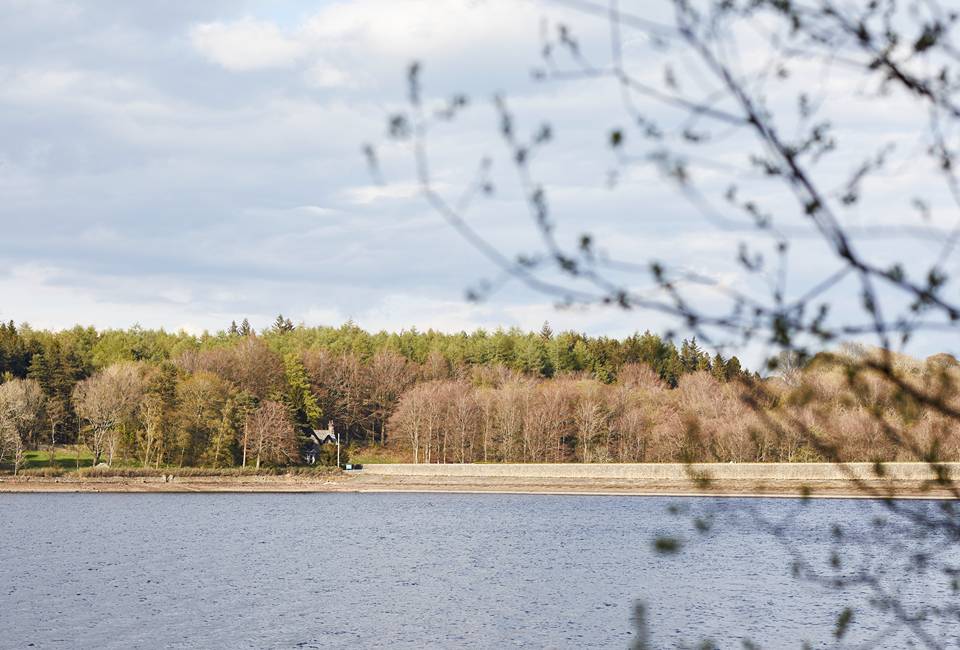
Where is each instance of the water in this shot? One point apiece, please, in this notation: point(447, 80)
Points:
point(441, 571)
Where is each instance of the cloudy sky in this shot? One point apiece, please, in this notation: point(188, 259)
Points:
point(184, 163)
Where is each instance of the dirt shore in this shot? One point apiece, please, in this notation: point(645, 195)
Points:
point(362, 482)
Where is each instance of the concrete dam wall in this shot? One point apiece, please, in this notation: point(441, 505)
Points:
point(672, 471)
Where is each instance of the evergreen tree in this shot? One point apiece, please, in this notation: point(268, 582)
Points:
point(222, 449)
point(546, 332)
point(300, 400)
point(156, 439)
point(502, 345)
point(690, 355)
point(601, 359)
point(532, 357)
point(703, 363)
point(733, 368)
point(671, 367)
point(718, 368)
point(57, 372)
point(647, 348)
point(14, 353)
point(282, 325)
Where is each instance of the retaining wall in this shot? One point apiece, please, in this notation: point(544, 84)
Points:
point(670, 471)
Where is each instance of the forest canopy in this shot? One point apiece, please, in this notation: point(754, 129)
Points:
point(154, 398)
point(149, 398)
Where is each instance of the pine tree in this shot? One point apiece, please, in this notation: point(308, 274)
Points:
point(532, 357)
point(245, 329)
point(159, 414)
point(300, 400)
point(57, 371)
point(282, 325)
point(733, 368)
point(693, 358)
point(14, 354)
point(224, 447)
point(718, 368)
point(671, 367)
point(546, 332)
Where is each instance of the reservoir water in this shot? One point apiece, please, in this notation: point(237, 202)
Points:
point(460, 571)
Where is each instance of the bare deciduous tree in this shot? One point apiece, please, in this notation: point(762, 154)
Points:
point(21, 418)
point(269, 435)
point(107, 401)
point(389, 374)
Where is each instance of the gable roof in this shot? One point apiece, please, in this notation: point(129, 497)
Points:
point(324, 435)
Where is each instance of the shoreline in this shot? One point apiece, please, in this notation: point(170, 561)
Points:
point(363, 483)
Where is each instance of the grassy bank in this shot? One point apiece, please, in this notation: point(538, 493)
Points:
point(66, 458)
point(77, 462)
point(179, 472)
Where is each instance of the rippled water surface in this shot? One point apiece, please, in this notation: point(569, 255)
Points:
point(437, 570)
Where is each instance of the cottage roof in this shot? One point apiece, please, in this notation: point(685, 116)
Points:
point(324, 435)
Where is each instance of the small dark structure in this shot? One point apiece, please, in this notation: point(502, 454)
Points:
point(318, 438)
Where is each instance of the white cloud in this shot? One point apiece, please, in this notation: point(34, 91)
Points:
point(348, 43)
point(32, 294)
point(414, 28)
point(145, 184)
point(324, 75)
point(367, 194)
point(246, 45)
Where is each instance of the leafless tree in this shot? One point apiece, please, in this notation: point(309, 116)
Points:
point(106, 401)
point(259, 371)
point(249, 365)
point(436, 366)
point(388, 375)
point(269, 436)
point(589, 418)
point(58, 413)
point(462, 420)
point(342, 386)
point(419, 421)
point(22, 416)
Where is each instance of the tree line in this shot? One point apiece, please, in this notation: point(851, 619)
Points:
point(243, 397)
point(814, 413)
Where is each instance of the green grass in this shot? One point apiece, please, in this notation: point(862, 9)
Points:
point(375, 454)
point(63, 457)
point(37, 463)
point(187, 472)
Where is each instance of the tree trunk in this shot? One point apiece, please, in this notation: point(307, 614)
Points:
point(53, 443)
point(216, 450)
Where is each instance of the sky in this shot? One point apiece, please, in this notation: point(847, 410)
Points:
point(184, 164)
